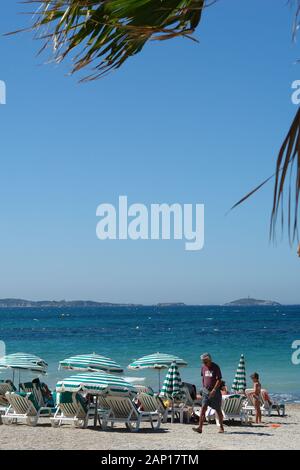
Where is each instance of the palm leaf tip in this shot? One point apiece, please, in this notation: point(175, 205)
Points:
point(287, 169)
point(106, 33)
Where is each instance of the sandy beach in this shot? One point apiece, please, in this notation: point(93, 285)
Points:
point(171, 436)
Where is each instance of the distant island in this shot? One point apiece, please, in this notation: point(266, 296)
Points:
point(248, 302)
point(21, 303)
point(171, 304)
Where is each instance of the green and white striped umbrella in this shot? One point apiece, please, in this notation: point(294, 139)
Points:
point(157, 361)
point(95, 383)
point(90, 362)
point(239, 383)
point(172, 386)
point(24, 361)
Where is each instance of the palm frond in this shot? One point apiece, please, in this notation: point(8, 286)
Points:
point(287, 169)
point(106, 33)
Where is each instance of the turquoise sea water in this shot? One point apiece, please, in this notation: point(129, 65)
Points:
point(263, 334)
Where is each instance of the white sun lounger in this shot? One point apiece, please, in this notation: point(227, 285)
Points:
point(22, 407)
point(273, 406)
point(124, 411)
point(4, 387)
point(232, 409)
point(152, 404)
point(72, 410)
point(249, 406)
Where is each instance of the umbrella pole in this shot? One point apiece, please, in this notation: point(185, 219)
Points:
point(158, 380)
point(96, 412)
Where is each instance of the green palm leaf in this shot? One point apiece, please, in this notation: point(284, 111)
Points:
point(106, 33)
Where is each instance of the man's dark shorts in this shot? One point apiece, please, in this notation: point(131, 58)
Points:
point(215, 402)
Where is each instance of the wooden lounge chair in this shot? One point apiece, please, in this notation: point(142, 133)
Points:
point(71, 408)
point(123, 410)
point(23, 407)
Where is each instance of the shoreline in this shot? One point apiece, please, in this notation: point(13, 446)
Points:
point(171, 436)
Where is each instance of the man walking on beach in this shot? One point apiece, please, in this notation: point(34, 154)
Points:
point(211, 393)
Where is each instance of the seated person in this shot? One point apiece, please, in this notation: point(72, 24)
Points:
point(223, 388)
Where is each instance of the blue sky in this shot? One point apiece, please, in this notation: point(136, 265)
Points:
point(181, 122)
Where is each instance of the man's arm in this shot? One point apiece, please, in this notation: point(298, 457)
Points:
point(217, 385)
point(218, 382)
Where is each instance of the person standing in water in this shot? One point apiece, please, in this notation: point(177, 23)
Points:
point(211, 393)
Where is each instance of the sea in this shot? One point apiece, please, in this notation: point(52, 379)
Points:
point(265, 336)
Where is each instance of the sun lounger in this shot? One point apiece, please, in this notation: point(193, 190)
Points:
point(123, 410)
point(4, 387)
point(103, 409)
point(272, 405)
point(152, 404)
point(188, 399)
point(143, 389)
point(71, 408)
point(232, 409)
point(249, 405)
point(29, 387)
point(23, 407)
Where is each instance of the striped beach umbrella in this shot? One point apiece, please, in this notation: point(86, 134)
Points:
point(172, 386)
point(95, 383)
point(90, 362)
point(24, 361)
point(157, 361)
point(239, 383)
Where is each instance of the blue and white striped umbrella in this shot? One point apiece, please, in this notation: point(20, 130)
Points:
point(91, 362)
point(24, 361)
point(95, 383)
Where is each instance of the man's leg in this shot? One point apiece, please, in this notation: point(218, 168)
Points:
point(220, 416)
point(201, 419)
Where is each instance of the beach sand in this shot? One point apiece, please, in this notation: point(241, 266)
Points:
point(171, 436)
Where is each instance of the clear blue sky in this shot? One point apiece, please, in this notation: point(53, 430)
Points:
point(181, 122)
